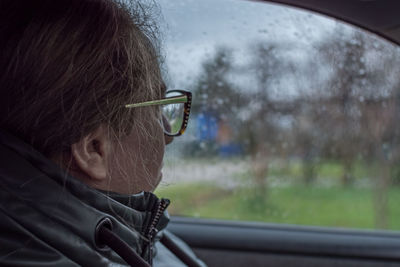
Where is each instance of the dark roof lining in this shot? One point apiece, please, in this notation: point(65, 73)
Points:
point(381, 17)
point(393, 28)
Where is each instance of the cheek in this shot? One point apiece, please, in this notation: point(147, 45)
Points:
point(137, 160)
point(154, 146)
point(142, 154)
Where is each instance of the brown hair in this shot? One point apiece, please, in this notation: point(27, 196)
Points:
point(67, 66)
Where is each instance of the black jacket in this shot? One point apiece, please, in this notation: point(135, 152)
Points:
point(48, 218)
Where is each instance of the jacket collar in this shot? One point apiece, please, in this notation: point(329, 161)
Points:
point(65, 200)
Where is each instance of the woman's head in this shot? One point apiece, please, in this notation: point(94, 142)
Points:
point(68, 67)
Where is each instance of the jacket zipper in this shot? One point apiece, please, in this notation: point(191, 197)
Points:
point(152, 230)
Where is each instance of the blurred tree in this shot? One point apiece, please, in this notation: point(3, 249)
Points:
point(214, 90)
point(261, 127)
point(216, 98)
point(379, 122)
point(362, 109)
point(345, 54)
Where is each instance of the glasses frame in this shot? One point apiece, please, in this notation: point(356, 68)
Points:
point(185, 98)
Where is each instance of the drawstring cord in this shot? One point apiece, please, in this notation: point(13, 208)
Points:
point(107, 237)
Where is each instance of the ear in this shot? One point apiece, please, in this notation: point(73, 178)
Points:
point(91, 154)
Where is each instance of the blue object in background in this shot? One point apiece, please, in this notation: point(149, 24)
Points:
point(230, 150)
point(207, 127)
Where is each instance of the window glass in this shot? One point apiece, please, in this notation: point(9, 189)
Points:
point(294, 119)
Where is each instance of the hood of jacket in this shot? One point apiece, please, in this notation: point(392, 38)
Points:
point(47, 213)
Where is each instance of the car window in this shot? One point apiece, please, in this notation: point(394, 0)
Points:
point(294, 117)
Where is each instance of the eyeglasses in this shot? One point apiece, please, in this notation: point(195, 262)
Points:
point(175, 109)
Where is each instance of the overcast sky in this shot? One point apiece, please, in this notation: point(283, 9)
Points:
point(192, 29)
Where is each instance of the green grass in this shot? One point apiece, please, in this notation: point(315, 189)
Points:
point(334, 206)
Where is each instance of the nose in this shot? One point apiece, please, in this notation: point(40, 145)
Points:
point(167, 128)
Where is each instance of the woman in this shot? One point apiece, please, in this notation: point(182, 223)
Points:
point(82, 136)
